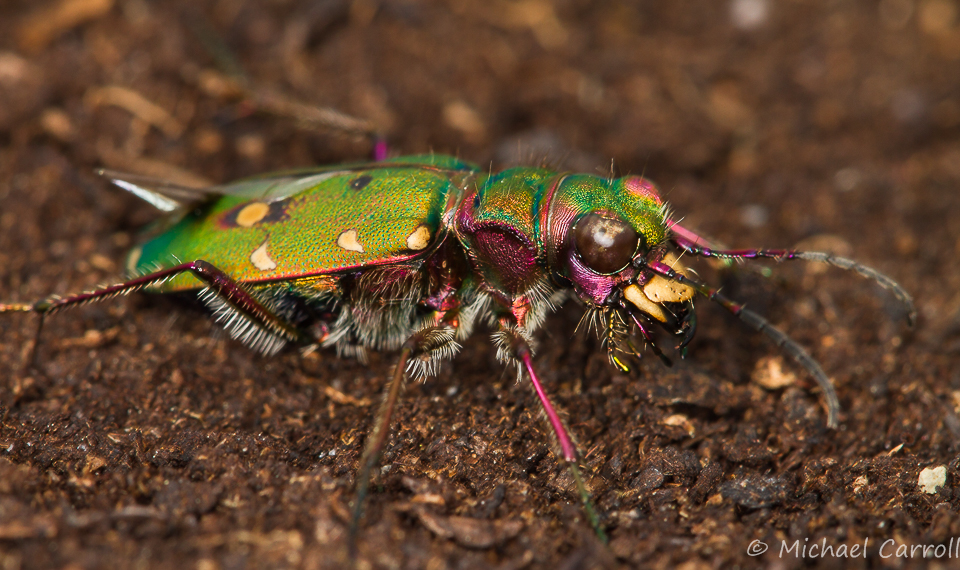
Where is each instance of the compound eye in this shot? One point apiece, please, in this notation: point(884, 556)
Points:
point(605, 244)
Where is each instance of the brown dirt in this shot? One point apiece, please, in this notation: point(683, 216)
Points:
point(145, 438)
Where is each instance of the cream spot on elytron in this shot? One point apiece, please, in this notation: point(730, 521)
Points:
point(252, 213)
point(133, 259)
point(348, 241)
point(261, 259)
point(419, 239)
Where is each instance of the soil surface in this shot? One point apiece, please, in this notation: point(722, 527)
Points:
point(146, 438)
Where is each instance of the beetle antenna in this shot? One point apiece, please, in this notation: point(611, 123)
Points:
point(691, 243)
point(759, 324)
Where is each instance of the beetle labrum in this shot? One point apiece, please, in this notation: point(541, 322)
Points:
point(412, 253)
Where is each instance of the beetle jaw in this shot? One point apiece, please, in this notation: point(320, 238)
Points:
point(652, 295)
point(648, 293)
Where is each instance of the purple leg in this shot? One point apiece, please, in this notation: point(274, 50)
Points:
point(521, 351)
point(219, 285)
point(566, 444)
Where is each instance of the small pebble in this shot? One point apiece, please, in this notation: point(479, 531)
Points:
point(860, 482)
point(56, 122)
point(770, 374)
point(251, 147)
point(754, 215)
point(931, 480)
point(749, 14)
point(847, 179)
point(680, 421)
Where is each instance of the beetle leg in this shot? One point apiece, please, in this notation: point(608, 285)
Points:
point(692, 243)
point(247, 318)
point(374, 444)
point(432, 342)
point(514, 346)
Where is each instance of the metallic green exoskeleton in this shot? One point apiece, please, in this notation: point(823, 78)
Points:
point(364, 257)
point(412, 253)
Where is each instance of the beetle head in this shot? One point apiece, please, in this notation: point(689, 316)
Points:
point(601, 232)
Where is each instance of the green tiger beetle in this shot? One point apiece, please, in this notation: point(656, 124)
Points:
point(412, 254)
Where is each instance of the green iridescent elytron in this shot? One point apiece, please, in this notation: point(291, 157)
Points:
point(413, 253)
point(379, 210)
